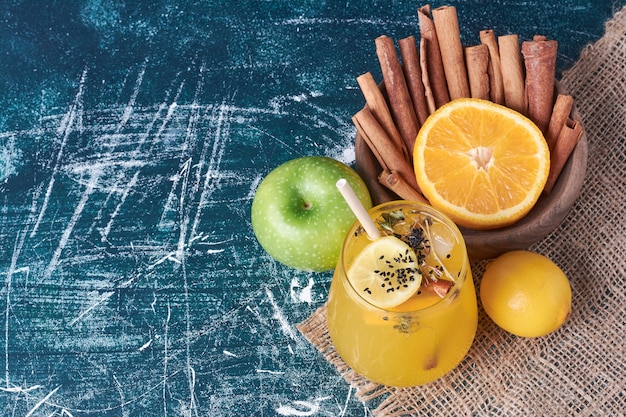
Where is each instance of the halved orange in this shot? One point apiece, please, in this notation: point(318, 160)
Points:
point(481, 163)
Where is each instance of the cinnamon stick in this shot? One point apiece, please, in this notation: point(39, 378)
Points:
point(397, 91)
point(512, 72)
point(477, 61)
point(378, 106)
point(431, 63)
point(397, 184)
point(540, 62)
point(447, 25)
point(568, 138)
point(368, 166)
point(496, 86)
point(441, 287)
point(388, 156)
point(413, 76)
point(429, 95)
point(560, 113)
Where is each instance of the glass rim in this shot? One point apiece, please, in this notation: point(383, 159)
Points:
point(454, 290)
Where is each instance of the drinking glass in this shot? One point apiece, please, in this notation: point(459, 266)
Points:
point(423, 338)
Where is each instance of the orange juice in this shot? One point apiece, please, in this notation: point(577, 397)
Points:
point(424, 337)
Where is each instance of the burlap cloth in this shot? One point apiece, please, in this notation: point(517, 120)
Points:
point(580, 369)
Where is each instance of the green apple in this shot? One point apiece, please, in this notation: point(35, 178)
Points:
point(298, 215)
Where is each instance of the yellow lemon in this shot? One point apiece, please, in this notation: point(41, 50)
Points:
point(526, 294)
point(481, 163)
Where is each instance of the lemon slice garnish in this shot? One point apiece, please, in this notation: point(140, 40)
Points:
point(385, 273)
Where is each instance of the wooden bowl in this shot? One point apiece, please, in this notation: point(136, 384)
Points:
point(544, 217)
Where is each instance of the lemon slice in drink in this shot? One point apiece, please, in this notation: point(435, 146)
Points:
point(385, 273)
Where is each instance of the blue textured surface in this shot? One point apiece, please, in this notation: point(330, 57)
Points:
point(133, 136)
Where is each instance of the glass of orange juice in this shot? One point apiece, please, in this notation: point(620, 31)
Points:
point(402, 308)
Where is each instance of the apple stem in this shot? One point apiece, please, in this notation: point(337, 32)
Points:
point(358, 209)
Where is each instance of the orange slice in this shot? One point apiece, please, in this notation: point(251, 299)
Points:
point(481, 163)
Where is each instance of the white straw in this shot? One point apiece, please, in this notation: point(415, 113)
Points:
point(357, 208)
